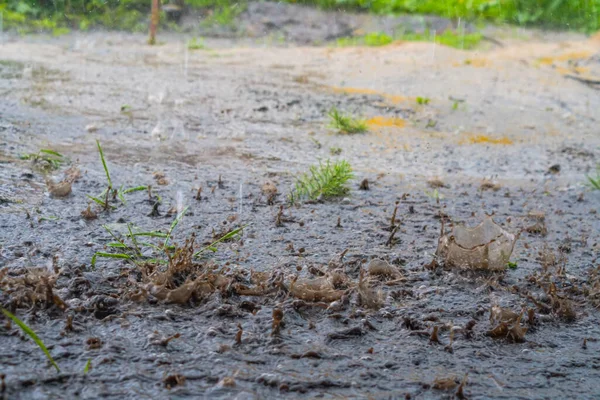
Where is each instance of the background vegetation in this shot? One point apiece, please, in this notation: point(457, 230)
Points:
point(60, 15)
point(581, 15)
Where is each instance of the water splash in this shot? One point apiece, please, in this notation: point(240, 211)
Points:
point(179, 132)
point(433, 48)
point(186, 59)
point(241, 200)
point(180, 204)
point(157, 132)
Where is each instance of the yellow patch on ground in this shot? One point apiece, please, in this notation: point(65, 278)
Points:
point(563, 71)
point(477, 139)
point(581, 70)
point(386, 122)
point(395, 99)
point(576, 55)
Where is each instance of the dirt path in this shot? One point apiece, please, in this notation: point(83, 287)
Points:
point(249, 111)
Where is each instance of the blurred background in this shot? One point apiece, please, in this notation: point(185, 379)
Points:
point(59, 16)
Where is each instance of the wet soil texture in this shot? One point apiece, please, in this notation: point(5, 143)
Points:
point(282, 309)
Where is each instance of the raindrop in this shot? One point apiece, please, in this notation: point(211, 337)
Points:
point(179, 201)
point(241, 200)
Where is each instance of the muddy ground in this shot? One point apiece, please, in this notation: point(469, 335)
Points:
point(511, 129)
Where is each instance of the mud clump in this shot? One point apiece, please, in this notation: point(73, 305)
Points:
point(181, 280)
point(316, 289)
point(269, 190)
point(367, 295)
point(31, 287)
point(507, 325)
point(485, 247)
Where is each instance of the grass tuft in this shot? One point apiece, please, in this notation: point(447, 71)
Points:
point(196, 44)
point(104, 163)
point(346, 124)
point(31, 334)
point(128, 247)
point(373, 39)
point(213, 246)
point(104, 198)
point(326, 180)
point(423, 101)
point(467, 41)
point(45, 159)
point(594, 183)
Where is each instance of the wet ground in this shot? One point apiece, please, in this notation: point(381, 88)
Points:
point(510, 129)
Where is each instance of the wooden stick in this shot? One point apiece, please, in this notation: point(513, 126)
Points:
point(154, 21)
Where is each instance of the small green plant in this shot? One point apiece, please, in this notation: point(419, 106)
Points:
point(31, 334)
point(346, 124)
point(335, 151)
point(423, 100)
point(196, 44)
point(110, 193)
point(466, 41)
point(60, 31)
point(45, 159)
point(373, 39)
point(594, 183)
point(435, 194)
point(318, 144)
point(134, 247)
point(512, 265)
point(223, 12)
point(325, 180)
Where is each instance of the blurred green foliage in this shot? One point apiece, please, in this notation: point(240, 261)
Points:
point(582, 15)
point(466, 41)
point(57, 16)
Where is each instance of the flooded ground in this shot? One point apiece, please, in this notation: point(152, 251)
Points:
point(509, 129)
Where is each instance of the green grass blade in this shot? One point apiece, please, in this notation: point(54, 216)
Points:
point(174, 225)
point(109, 255)
point(120, 195)
point(110, 232)
point(32, 335)
point(151, 245)
point(88, 365)
point(99, 201)
point(213, 246)
point(117, 245)
point(138, 251)
point(112, 255)
point(51, 152)
point(135, 189)
point(104, 163)
point(594, 183)
point(150, 234)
